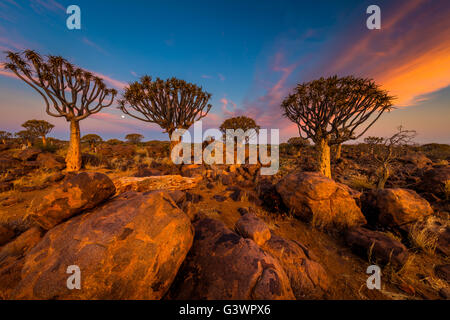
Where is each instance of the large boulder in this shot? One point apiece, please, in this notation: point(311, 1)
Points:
point(418, 160)
point(308, 278)
point(28, 154)
point(250, 226)
point(394, 207)
point(80, 192)
point(222, 265)
point(6, 235)
point(316, 198)
point(167, 182)
point(130, 248)
point(11, 260)
point(436, 180)
point(376, 246)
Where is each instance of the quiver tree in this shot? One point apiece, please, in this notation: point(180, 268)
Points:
point(372, 142)
point(5, 136)
point(26, 137)
point(323, 108)
point(68, 91)
point(386, 150)
point(40, 128)
point(172, 104)
point(92, 140)
point(241, 122)
point(337, 138)
point(134, 138)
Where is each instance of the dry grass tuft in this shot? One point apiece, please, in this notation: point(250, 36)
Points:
point(422, 238)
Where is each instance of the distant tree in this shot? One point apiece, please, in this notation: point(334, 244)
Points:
point(40, 128)
point(372, 142)
point(114, 142)
point(324, 107)
point(338, 137)
point(92, 140)
point(26, 137)
point(172, 104)
point(241, 122)
point(298, 142)
point(5, 136)
point(387, 149)
point(134, 138)
point(68, 91)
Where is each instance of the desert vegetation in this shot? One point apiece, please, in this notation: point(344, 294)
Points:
point(122, 209)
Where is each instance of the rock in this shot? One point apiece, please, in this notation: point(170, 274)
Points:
point(130, 248)
point(308, 278)
point(251, 227)
point(56, 177)
point(271, 199)
point(226, 179)
point(22, 244)
point(445, 293)
point(192, 170)
point(316, 198)
point(6, 186)
point(236, 193)
point(50, 161)
point(28, 154)
point(193, 197)
point(168, 182)
point(222, 265)
point(394, 207)
point(6, 235)
point(377, 246)
point(147, 172)
point(443, 272)
point(436, 180)
point(178, 196)
point(419, 160)
point(78, 193)
point(11, 260)
point(219, 198)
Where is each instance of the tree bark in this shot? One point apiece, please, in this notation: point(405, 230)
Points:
point(73, 158)
point(383, 177)
point(323, 158)
point(44, 141)
point(338, 151)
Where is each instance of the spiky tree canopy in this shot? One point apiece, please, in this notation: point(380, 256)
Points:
point(241, 122)
point(91, 138)
point(67, 90)
point(25, 135)
point(335, 107)
point(4, 135)
point(38, 127)
point(134, 137)
point(172, 103)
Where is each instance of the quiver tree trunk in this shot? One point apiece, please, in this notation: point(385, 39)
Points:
point(73, 158)
point(383, 176)
point(44, 141)
point(338, 151)
point(323, 158)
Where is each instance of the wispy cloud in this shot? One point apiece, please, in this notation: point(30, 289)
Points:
point(43, 6)
point(221, 77)
point(94, 45)
point(205, 76)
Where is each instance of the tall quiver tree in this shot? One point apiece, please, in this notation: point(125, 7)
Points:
point(324, 109)
point(68, 91)
point(40, 128)
point(92, 140)
point(172, 104)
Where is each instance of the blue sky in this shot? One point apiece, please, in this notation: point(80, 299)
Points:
point(248, 54)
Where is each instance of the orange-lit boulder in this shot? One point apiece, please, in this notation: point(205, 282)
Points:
point(80, 192)
point(314, 197)
point(223, 265)
point(130, 248)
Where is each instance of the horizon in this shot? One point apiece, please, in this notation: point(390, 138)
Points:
point(248, 55)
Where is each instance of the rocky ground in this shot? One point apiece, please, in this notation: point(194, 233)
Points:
point(140, 227)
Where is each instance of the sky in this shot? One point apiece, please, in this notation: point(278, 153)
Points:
point(248, 54)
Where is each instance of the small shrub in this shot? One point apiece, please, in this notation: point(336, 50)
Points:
point(423, 239)
point(360, 183)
